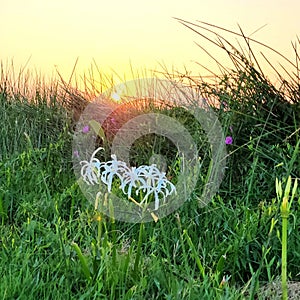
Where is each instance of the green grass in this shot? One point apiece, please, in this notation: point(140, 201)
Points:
point(54, 245)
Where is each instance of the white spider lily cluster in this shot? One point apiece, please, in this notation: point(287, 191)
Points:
point(147, 179)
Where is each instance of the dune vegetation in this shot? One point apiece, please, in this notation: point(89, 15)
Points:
point(55, 245)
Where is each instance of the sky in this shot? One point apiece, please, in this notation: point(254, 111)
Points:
point(52, 35)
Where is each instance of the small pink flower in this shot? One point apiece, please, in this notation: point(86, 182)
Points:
point(86, 129)
point(228, 140)
point(76, 153)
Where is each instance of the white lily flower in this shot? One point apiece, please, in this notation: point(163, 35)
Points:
point(113, 168)
point(156, 184)
point(147, 179)
point(90, 170)
point(131, 179)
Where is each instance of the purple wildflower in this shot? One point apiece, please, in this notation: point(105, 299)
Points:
point(228, 140)
point(76, 153)
point(86, 129)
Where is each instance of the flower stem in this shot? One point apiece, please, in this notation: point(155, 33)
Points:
point(284, 215)
point(138, 251)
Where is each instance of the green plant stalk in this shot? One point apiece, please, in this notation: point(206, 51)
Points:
point(99, 231)
point(138, 251)
point(100, 219)
point(114, 238)
point(194, 253)
point(284, 215)
point(84, 265)
point(2, 212)
point(184, 253)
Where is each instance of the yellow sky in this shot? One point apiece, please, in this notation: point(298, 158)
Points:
point(116, 33)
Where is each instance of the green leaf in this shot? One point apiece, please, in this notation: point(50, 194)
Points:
point(98, 129)
point(84, 264)
point(194, 253)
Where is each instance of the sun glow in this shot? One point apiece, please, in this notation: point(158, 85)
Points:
point(116, 37)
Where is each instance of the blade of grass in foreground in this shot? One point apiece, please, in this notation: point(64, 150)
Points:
point(194, 253)
point(84, 264)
